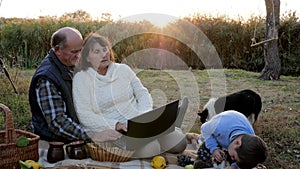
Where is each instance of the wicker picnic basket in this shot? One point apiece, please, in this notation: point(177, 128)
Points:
point(106, 151)
point(10, 153)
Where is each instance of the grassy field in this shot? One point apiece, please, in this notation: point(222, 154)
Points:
point(278, 123)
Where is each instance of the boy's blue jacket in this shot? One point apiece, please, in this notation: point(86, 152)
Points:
point(223, 128)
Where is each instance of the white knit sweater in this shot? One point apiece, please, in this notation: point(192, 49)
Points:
point(102, 101)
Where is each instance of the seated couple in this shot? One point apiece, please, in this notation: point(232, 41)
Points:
point(106, 94)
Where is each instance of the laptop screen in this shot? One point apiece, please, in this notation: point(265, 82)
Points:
point(154, 122)
point(149, 126)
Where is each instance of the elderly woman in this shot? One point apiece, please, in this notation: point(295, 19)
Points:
point(107, 94)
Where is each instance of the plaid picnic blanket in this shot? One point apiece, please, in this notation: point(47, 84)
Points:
point(132, 164)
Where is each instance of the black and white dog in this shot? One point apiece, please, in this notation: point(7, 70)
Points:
point(246, 102)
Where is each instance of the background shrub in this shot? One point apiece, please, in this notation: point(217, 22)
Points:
point(25, 42)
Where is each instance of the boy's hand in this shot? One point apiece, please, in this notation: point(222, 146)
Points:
point(218, 155)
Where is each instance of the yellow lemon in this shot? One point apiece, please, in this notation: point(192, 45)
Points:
point(158, 162)
point(24, 165)
point(32, 163)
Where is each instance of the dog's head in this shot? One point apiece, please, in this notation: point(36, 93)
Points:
point(203, 115)
point(208, 110)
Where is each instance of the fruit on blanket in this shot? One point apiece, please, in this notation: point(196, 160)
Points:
point(190, 166)
point(35, 165)
point(183, 160)
point(158, 162)
point(24, 165)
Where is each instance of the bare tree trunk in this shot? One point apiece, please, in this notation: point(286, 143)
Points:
point(272, 67)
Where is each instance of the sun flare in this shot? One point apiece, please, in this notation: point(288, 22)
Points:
point(124, 9)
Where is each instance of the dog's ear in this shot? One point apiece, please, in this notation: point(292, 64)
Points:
point(199, 112)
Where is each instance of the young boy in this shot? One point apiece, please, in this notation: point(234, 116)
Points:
point(232, 131)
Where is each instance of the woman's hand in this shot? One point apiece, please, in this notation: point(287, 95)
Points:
point(121, 127)
point(106, 135)
point(218, 155)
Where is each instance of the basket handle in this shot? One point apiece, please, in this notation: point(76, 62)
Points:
point(10, 134)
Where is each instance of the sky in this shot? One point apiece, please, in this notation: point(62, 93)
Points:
point(126, 8)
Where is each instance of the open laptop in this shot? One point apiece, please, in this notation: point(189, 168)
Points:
point(151, 125)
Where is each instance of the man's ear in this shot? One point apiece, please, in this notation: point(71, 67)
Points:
point(57, 50)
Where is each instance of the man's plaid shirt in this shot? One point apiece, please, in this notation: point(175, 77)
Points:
point(54, 110)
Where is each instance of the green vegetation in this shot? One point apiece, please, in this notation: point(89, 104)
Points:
point(25, 42)
point(18, 103)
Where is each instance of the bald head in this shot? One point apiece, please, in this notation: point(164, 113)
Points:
point(61, 36)
point(67, 44)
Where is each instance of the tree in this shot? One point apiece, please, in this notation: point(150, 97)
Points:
point(106, 17)
point(272, 68)
point(78, 15)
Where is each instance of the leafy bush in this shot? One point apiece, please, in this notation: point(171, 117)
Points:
point(25, 42)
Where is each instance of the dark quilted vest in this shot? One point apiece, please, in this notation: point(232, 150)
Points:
point(54, 71)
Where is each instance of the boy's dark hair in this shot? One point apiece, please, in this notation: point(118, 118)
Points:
point(253, 150)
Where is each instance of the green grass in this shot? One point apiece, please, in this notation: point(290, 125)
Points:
point(278, 123)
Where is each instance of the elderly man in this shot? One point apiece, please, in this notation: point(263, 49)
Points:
point(50, 92)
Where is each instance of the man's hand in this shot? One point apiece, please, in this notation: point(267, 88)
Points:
point(106, 135)
point(218, 155)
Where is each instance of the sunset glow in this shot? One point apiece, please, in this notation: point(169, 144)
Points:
point(122, 9)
